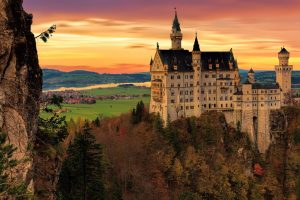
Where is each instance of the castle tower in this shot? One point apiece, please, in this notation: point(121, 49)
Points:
point(196, 57)
point(251, 78)
point(284, 71)
point(176, 35)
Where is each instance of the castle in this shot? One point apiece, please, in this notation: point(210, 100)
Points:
point(186, 84)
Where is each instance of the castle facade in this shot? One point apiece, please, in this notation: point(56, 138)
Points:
point(186, 84)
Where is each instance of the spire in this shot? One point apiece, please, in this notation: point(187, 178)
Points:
point(151, 61)
point(251, 71)
point(176, 24)
point(196, 44)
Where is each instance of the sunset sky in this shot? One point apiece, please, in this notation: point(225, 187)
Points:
point(119, 36)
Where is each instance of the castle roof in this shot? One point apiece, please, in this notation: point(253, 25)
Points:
point(251, 71)
point(221, 58)
point(196, 45)
point(180, 58)
point(176, 24)
point(283, 51)
point(265, 86)
point(183, 60)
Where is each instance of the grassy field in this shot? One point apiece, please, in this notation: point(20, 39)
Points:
point(117, 90)
point(106, 108)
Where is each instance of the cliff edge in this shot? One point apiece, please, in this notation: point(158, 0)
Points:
point(20, 83)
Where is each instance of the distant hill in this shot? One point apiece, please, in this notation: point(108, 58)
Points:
point(54, 79)
point(269, 77)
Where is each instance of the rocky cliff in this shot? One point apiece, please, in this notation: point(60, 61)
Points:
point(20, 82)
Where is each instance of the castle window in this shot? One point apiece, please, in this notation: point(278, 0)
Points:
point(178, 85)
point(221, 76)
point(209, 91)
point(172, 77)
point(214, 76)
point(192, 107)
point(181, 92)
point(191, 99)
point(172, 84)
point(186, 92)
point(206, 76)
point(262, 105)
point(204, 84)
point(221, 105)
point(181, 100)
point(202, 91)
point(172, 93)
point(227, 75)
point(172, 101)
point(187, 100)
point(191, 76)
point(178, 77)
point(186, 84)
point(230, 98)
point(186, 77)
point(191, 85)
point(191, 92)
point(209, 84)
point(186, 107)
point(181, 107)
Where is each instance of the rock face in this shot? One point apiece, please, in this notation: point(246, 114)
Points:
point(20, 82)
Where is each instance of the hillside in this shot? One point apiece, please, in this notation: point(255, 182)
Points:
point(197, 158)
point(54, 79)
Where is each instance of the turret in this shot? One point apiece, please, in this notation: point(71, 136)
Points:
point(196, 56)
point(251, 78)
point(196, 53)
point(284, 71)
point(176, 35)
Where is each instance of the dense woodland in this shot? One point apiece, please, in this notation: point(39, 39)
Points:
point(194, 158)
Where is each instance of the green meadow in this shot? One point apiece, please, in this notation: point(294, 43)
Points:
point(106, 108)
point(117, 90)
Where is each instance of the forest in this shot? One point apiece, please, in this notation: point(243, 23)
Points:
point(189, 159)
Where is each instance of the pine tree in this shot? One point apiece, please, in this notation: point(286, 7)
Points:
point(82, 172)
point(10, 187)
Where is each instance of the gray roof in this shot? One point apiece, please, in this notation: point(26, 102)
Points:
point(265, 86)
point(221, 58)
point(183, 60)
point(283, 50)
point(176, 24)
point(196, 45)
point(251, 71)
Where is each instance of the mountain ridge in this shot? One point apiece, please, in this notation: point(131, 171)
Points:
point(54, 79)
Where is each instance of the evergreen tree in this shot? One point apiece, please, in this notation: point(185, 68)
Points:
point(82, 171)
point(138, 113)
point(10, 187)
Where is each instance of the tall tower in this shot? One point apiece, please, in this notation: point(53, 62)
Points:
point(176, 35)
point(284, 71)
point(196, 57)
